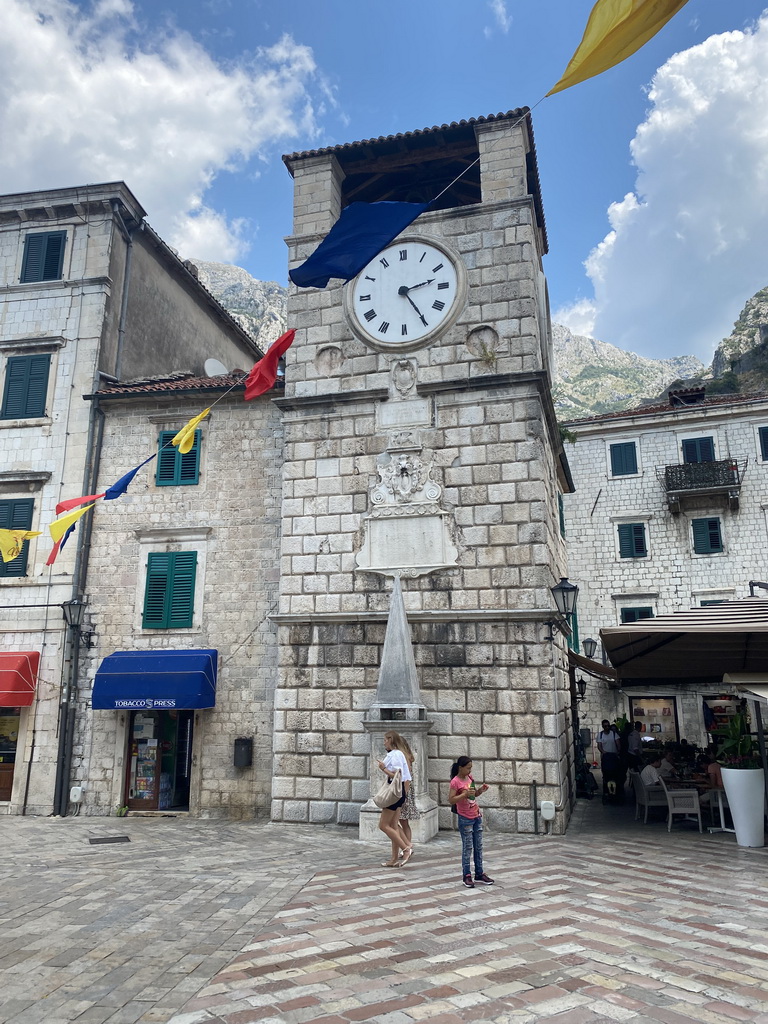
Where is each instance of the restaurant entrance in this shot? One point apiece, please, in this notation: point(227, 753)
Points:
point(159, 760)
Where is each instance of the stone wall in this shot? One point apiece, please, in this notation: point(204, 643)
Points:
point(232, 519)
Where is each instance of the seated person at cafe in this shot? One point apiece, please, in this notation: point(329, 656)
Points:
point(649, 776)
point(667, 768)
point(711, 769)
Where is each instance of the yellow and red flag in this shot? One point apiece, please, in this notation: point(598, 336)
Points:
point(615, 30)
point(12, 541)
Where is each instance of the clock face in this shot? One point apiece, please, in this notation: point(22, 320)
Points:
point(405, 295)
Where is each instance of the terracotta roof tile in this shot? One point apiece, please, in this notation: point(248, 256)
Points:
point(664, 407)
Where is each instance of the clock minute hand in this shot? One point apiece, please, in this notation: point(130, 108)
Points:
point(404, 291)
point(421, 285)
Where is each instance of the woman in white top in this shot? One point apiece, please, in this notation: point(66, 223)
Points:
point(395, 760)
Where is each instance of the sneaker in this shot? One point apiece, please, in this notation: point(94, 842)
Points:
point(468, 882)
point(483, 878)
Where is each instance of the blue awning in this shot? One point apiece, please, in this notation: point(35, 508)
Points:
point(157, 680)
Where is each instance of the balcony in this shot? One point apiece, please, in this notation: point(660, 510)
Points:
point(694, 479)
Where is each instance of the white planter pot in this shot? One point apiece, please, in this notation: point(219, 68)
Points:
point(745, 789)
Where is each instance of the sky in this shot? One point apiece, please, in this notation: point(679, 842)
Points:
point(654, 175)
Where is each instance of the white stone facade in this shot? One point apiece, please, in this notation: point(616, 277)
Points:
point(671, 576)
point(105, 308)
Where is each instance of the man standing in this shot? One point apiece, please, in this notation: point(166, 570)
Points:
point(635, 747)
point(610, 761)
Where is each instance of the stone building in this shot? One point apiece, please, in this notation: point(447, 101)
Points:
point(424, 445)
point(87, 291)
point(218, 512)
point(669, 513)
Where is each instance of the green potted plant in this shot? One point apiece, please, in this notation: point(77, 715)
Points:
point(743, 780)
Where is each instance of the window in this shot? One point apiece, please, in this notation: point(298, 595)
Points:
point(699, 449)
point(635, 614)
point(573, 639)
point(16, 514)
point(632, 540)
point(706, 536)
point(763, 432)
point(43, 256)
point(706, 604)
point(169, 597)
point(173, 468)
point(26, 387)
point(561, 514)
point(623, 458)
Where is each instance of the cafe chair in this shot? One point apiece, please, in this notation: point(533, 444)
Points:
point(682, 801)
point(646, 796)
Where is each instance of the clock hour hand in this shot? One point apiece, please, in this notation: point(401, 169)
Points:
point(404, 289)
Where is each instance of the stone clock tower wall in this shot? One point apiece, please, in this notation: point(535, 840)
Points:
point(440, 463)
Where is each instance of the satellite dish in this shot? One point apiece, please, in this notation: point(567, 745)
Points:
point(214, 368)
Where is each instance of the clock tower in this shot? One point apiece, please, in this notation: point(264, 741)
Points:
point(421, 443)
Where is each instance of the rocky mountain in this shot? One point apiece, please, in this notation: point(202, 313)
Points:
point(258, 306)
point(592, 376)
point(744, 354)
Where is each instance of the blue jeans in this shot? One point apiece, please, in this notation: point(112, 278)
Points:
point(471, 830)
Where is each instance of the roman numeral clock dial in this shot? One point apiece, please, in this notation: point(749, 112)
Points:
point(406, 296)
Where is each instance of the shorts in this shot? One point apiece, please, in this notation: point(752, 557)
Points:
point(399, 803)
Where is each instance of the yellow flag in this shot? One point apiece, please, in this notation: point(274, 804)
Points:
point(615, 30)
point(11, 542)
point(60, 526)
point(186, 436)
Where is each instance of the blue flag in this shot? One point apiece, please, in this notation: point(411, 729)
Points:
point(121, 486)
point(360, 233)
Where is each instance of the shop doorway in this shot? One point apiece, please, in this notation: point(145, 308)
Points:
point(9, 739)
point(159, 760)
point(658, 716)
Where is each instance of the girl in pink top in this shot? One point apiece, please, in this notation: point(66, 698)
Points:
point(463, 795)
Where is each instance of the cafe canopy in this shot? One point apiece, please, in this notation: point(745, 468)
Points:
point(701, 644)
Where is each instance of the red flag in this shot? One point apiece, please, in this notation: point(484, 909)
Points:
point(70, 503)
point(264, 374)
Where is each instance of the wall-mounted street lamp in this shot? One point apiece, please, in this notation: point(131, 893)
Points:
point(756, 583)
point(73, 616)
point(590, 646)
point(565, 594)
point(581, 688)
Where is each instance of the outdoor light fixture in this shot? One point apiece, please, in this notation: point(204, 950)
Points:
point(756, 583)
point(565, 595)
point(590, 646)
point(581, 686)
point(73, 613)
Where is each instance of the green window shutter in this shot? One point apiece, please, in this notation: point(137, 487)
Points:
point(155, 594)
point(632, 540)
point(699, 449)
point(169, 597)
point(707, 538)
point(43, 256)
point(764, 443)
point(635, 614)
point(623, 458)
point(561, 514)
point(26, 387)
point(16, 514)
point(173, 468)
point(182, 596)
point(573, 639)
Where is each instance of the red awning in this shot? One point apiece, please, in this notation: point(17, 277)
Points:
point(18, 675)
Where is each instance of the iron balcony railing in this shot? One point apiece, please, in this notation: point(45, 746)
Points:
point(691, 478)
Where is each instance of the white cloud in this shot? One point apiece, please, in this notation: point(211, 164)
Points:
point(687, 247)
point(85, 98)
point(578, 317)
point(501, 16)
